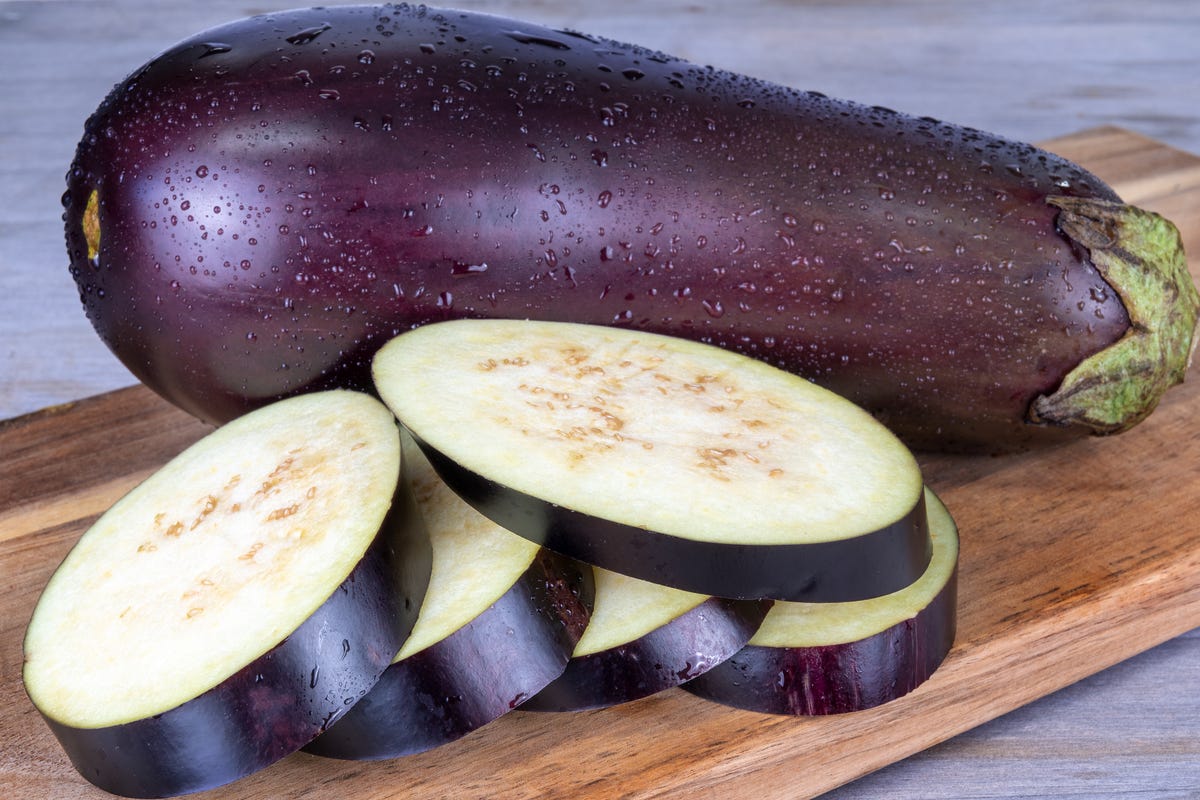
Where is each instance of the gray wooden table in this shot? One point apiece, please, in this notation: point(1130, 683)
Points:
point(1029, 70)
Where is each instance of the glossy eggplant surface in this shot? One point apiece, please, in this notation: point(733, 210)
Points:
point(814, 659)
point(642, 639)
point(498, 623)
point(254, 212)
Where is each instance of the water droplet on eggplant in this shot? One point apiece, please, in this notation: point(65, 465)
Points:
point(213, 49)
point(308, 34)
point(460, 268)
point(530, 38)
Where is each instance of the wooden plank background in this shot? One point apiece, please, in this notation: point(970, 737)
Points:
point(1025, 69)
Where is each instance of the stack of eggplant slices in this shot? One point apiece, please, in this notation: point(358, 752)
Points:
point(566, 517)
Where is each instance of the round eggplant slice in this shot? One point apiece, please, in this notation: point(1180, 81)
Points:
point(667, 460)
point(644, 638)
point(234, 604)
point(832, 658)
point(499, 622)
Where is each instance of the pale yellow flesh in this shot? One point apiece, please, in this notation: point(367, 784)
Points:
point(475, 561)
point(627, 609)
point(213, 560)
point(821, 624)
point(650, 431)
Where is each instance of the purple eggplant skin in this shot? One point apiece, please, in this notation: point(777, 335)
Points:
point(839, 678)
point(472, 677)
point(863, 567)
point(664, 658)
point(280, 701)
point(254, 212)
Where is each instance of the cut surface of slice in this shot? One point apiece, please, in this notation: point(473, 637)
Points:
point(475, 561)
point(235, 596)
point(644, 638)
point(212, 561)
point(499, 621)
point(828, 658)
point(695, 442)
point(627, 608)
point(631, 450)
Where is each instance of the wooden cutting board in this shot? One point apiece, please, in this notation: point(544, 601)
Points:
point(1072, 560)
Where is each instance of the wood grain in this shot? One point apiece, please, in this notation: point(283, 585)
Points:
point(1072, 560)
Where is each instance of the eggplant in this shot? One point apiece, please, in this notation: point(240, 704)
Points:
point(642, 639)
point(834, 658)
point(674, 462)
point(257, 210)
point(499, 622)
point(234, 604)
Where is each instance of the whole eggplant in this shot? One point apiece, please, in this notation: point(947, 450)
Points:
point(254, 212)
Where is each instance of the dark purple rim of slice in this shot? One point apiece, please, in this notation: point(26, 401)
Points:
point(685, 647)
point(475, 675)
point(837, 678)
point(284, 698)
point(858, 568)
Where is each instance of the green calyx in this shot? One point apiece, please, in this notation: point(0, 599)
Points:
point(1140, 255)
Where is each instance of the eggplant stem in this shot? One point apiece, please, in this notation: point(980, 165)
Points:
point(1140, 254)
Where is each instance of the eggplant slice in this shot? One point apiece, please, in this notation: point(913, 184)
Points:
point(644, 638)
point(234, 604)
point(832, 658)
point(667, 460)
point(499, 622)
